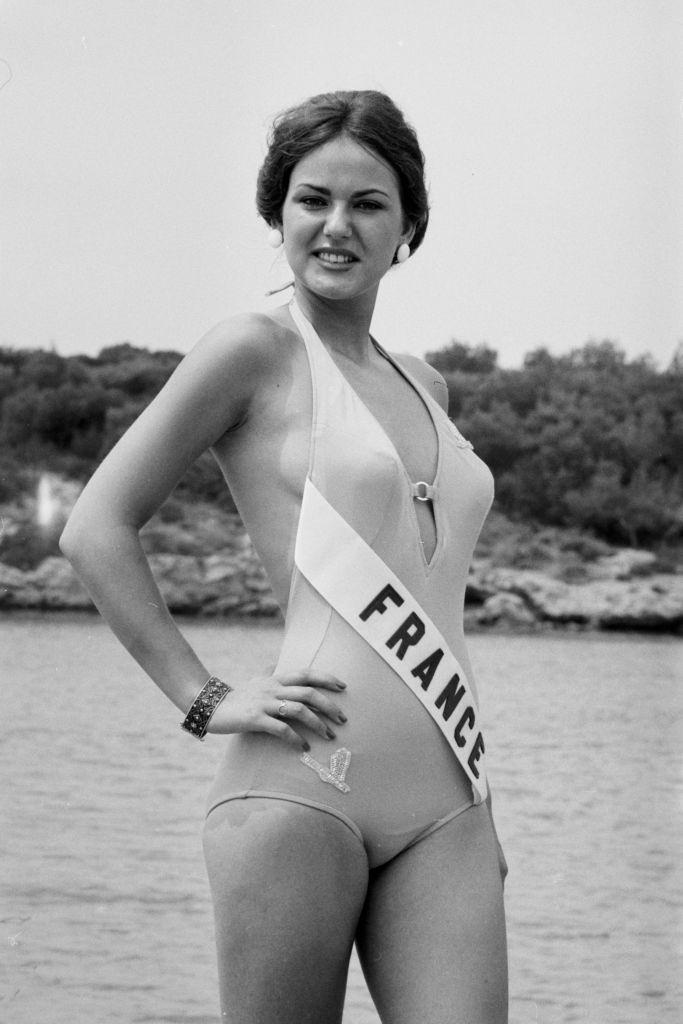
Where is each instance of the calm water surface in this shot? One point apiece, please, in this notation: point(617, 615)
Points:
point(105, 908)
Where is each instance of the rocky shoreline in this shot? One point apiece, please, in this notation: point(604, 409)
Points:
point(531, 599)
point(231, 582)
point(523, 578)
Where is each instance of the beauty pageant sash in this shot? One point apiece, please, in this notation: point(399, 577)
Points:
point(354, 580)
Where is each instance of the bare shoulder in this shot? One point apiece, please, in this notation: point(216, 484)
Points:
point(214, 387)
point(430, 379)
point(251, 343)
point(237, 360)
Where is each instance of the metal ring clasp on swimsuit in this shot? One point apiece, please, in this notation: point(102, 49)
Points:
point(422, 491)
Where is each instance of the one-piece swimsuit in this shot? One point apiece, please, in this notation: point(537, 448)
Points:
point(401, 780)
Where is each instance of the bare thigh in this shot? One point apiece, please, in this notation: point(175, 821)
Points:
point(432, 935)
point(288, 883)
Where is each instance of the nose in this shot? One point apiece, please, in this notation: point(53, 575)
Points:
point(337, 224)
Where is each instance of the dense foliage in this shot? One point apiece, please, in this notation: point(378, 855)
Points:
point(65, 414)
point(587, 439)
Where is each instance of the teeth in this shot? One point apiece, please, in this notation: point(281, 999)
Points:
point(334, 257)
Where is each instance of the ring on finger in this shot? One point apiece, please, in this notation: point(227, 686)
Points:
point(283, 707)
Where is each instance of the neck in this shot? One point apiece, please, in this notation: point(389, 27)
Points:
point(342, 326)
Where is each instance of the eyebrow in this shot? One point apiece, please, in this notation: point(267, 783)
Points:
point(355, 195)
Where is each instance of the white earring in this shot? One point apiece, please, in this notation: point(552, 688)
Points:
point(275, 238)
point(403, 252)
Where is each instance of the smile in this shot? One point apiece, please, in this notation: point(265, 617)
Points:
point(335, 257)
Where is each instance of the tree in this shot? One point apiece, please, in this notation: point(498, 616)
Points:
point(466, 358)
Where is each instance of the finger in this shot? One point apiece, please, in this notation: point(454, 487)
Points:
point(293, 710)
point(309, 677)
point(315, 700)
point(279, 727)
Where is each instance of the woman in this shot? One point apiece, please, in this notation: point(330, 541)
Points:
point(351, 804)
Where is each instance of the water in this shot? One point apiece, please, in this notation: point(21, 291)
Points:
point(105, 909)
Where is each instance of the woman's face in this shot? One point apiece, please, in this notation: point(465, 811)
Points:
point(342, 220)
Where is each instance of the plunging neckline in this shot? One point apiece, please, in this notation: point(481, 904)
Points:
point(425, 399)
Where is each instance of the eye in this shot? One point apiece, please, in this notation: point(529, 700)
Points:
point(312, 202)
point(369, 204)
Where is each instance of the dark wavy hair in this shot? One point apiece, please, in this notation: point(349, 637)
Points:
point(369, 118)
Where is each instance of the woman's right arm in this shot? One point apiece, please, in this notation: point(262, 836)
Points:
point(210, 392)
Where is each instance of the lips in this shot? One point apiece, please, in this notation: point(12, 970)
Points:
point(336, 257)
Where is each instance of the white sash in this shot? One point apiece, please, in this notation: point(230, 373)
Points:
point(354, 580)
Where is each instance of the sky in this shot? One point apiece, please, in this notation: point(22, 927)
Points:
point(131, 133)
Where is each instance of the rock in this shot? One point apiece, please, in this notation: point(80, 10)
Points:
point(549, 598)
point(12, 585)
point(232, 582)
point(653, 603)
point(58, 585)
point(505, 609)
point(52, 585)
point(180, 581)
point(258, 584)
point(218, 568)
point(227, 582)
point(623, 565)
point(477, 592)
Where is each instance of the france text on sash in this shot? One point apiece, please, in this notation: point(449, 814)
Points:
point(370, 597)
